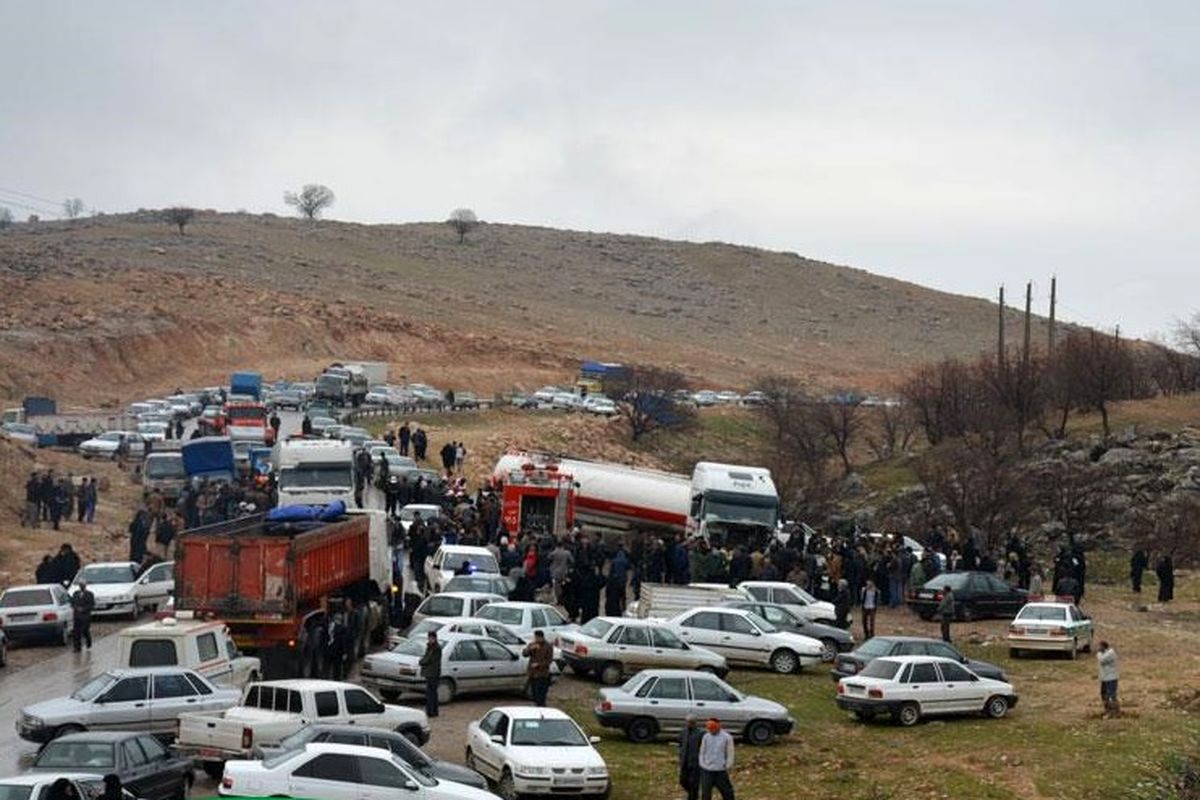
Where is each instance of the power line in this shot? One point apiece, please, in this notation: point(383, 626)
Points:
point(4, 201)
point(28, 196)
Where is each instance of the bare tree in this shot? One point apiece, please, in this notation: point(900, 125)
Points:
point(311, 200)
point(1099, 368)
point(72, 207)
point(33, 218)
point(890, 430)
point(646, 398)
point(6, 217)
point(941, 397)
point(178, 216)
point(799, 449)
point(1072, 493)
point(841, 419)
point(462, 221)
point(981, 490)
point(1187, 334)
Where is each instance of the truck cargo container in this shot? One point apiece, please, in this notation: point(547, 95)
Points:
point(246, 383)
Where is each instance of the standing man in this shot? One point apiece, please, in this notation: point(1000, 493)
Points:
point(946, 611)
point(689, 758)
point(1165, 570)
point(1137, 566)
point(275, 424)
point(1107, 658)
point(716, 759)
point(82, 603)
point(403, 436)
point(32, 492)
point(870, 602)
point(540, 654)
point(431, 671)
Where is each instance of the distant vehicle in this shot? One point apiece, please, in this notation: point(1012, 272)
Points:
point(525, 618)
point(408, 514)
point(497, 631)
point(389, 396)
point(791, 595)
point(163, 471)
point(728, 398)
point(331, 771)
point(910, 687)
point(448, 559)
point(612, 647)
point(288, 398)
point(41, 611)
point(1054, 626)
point(20, 432)
point(106, 445)
point(833, 639)
point(755, 398)
point(396, 743)
point(146, 768)
point(601, 406)
point(454, 604)
point(523, 401)
point(249, 421)
point(212, 420)
point(747, 639)
point(470, 665)
point(356, 436)
point(465, 400)
point(854, 662)
point(114, 585)
point(659, 701)
point(146, 699)
point(976, 595)
point(204, 646)
point(705, 398)
point(483, 582)
point(321, 424)
point(566, 401)
point(545, 395)
point(525, 749)
point(248, 384)
point(426, 394)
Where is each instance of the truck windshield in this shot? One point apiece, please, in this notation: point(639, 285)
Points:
point(316, 476)
point(740, 508)
point(165, 468)
point(330, 383)
point(247, 413)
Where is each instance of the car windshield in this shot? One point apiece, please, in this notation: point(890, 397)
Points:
point(547, 733)
point(596, 628)
point(761, 623)
point(101, 573)
point(881, 668)
point(423, 627)
point(1048, 613)
point(505, 614)
point(87, 756)
point(873, 648)
point(92, 689)
point(955, 580)
point(21, 598)
point(483, 562)
point(10, 791)
point(410, 647)
point(167, 467)
point(316, 476)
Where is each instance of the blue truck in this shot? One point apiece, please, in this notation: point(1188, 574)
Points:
point(246, 383)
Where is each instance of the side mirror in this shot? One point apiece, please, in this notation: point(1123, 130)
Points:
point(756, 633)
point(497, 738)
point(594, 740)
point(411, 786)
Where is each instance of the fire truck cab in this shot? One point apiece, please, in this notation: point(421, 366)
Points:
point(537, 495)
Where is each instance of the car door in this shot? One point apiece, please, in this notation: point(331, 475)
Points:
point(171, 694)
point(465, 666)
point(329, 776)
point(923, 684)
point(744, 640)
point(125, 706)
point(711, 699)
point(137, 775)
point(169, 772)
point(490, 754)
point(704, 628)
point(156, 585)
point(506, 671)
point(632, 648)
point(669, 651)
point(362, 708)
point(668, 702)
point(961, 689)
point(381, 779)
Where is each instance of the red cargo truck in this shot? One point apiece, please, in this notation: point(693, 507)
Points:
point(273, 585)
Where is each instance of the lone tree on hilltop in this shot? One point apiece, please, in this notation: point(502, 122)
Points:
point(6, 218)
point(72, 207)
point(463, 221)
point(178, 216)
point(311, 200)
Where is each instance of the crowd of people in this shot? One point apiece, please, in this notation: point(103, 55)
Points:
point(51, 498)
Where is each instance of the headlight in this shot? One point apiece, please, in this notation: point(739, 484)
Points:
point(122, 599)
point(533, 770)
point(597, 771)
point(34, 722)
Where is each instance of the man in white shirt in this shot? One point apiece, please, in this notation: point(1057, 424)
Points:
point(716, 759)
point(1107, 658)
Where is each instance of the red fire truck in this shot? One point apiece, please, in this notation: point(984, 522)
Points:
point(536, 494)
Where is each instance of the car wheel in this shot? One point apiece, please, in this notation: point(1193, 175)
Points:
point(214, 769)
point(445, 691)
point(641, 729)
point(506, 788)
point(412, 735)
point(759, 732)
point(908, 714)
point(829, 651)
point(610, 673)
point(785, 662)
point(996, 707)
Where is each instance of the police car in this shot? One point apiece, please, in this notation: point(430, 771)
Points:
point(1054, 625)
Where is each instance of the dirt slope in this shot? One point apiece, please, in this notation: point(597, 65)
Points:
point(126, 304)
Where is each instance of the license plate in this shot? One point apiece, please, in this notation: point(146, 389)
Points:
point(21, 617)
point(925, 595)
point(206, 753)
point(569, 783)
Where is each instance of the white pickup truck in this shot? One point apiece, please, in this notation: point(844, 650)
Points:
point(274, 710)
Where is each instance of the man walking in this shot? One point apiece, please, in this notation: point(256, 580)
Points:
point(715, 759)
point(540, 654)
point(870, 602)
point(431, 671)
point(1107, 658)
point(689, 758)
point(82, 603)
point(1137, 566)
point(946, 611)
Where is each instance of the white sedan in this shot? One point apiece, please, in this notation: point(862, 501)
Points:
point(910, 687)
point(113, 584)
point(1054, 626)
point(743, 637)
point(339, 772)
point(447, 561)
point(530, 750)
point(106, 444)
point(525, 618)
point(20, 432)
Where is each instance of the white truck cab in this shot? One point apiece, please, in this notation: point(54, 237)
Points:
point(314, 471)
point(204, 646)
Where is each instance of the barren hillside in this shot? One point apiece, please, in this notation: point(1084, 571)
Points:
point(105, 308)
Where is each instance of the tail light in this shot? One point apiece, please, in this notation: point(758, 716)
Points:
point(875, 693)
point(581, 650)
point(226, 782)
point(1058, 631)
point(606, 705)
point(247, 738)
point(50, 616)
point(938, 596)
point(841, 689)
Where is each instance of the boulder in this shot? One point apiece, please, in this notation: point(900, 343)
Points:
point(1121, 456)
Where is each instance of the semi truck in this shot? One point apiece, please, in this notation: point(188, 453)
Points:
point(273, 583)
point(314, 471)
point(724, 503)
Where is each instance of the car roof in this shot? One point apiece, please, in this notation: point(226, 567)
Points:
point(1048, 604)
point(347, 749)
point(35, 778)
point(461, 595)
point(891, 638)
point(918, 659)
point(464, 548)
point(111, 564)
point(307, 684)
point(675, 673)
point(129, 672)
point(101, 736)
point(531, 712)
point(459, 636)
point(32, 586)
point(522, 604)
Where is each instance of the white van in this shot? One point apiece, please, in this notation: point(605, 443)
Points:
point(203, 646)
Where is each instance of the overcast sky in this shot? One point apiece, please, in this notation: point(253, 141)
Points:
point(956, 144)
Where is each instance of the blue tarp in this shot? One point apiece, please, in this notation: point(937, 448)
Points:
point(210, 456)
point(300, 513)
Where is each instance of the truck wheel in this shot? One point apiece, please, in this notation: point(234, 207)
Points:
point(214, 769)
point(445, 690)
point(610, 673)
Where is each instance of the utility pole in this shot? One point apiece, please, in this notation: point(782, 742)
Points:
point(1000, 334)
point(1053, 300)
point(1028, 326)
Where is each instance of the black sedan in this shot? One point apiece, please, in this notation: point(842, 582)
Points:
point(146, 768)
point(398, 743)
point(833, 640)
point(976, 595)
point(849, 664)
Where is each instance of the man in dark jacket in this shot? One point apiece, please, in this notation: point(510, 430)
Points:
point(947, 610)
point(689, 758)
point(1137, 566)
point(431, 671)
point(82, 603)
point(402, 437)
point(45, 570)
point(540, 655)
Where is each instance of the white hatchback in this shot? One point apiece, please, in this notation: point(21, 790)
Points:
point(530, 750)
point(113, 584)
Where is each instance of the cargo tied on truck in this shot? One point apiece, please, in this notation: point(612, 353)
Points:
point(275, 579)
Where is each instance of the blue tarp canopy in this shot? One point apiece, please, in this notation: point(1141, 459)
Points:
point(210, 456)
